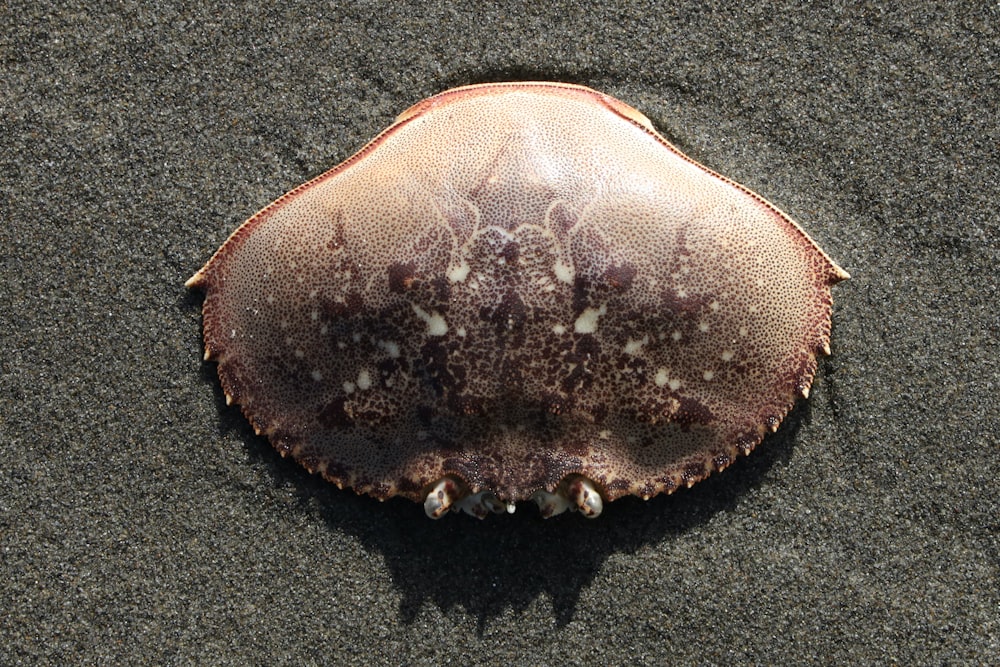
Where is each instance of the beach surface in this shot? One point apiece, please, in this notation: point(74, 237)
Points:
point(142, 521)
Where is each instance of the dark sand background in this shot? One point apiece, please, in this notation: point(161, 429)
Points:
point(141, 520)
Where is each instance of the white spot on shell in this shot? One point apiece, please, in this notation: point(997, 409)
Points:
point(436, 326)
point(316, 375)
point(364, 380)
point(727, 355)
point(299, 353)
point(703, 327)
point(348, 387)
point(564, 272)
point(661, 377)
point(587, 322)
point(458, 273)
point(391, 348)
point(558, 329)
point(634, 346)
point(674, 384)
point(708, 375)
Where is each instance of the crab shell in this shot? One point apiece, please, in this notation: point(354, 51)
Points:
point(517, 291)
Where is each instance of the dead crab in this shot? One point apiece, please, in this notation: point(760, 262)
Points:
point(517, 291)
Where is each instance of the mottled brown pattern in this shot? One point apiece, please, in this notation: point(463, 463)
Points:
point(513, 284)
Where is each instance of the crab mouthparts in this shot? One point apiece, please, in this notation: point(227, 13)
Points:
point(575, 493)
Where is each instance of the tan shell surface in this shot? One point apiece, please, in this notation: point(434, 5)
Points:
point(512, 283)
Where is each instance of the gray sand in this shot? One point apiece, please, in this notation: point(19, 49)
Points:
point(142, 521)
